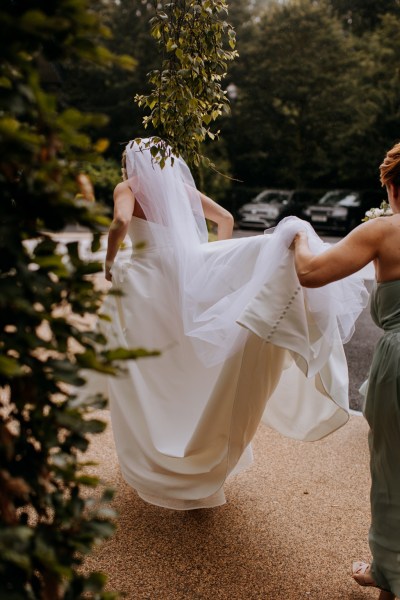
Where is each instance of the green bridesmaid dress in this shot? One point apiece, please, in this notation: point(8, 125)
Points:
point(382, 411)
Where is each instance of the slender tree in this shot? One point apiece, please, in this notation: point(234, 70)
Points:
point(187, 95)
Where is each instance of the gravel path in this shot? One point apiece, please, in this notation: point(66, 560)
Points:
point(291, 527)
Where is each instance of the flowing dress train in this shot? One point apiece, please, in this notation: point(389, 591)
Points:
point(182, 426)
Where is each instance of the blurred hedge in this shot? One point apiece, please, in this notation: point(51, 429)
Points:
point(48, 520)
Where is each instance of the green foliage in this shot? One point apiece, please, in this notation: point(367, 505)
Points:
point(128, 21)
point(48, 521)
point(339, 77)
point(306, 111)
point(362, 15)
point(298, 104)
point(215, 182)
point(380, 79)
point(104, 176)
point(187, 94)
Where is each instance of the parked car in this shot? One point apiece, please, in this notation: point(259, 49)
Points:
point(340, 211)
point(271, 206)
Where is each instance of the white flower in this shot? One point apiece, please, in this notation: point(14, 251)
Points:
point(383, 211)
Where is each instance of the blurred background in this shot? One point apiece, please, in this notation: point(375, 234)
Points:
point(315, 100)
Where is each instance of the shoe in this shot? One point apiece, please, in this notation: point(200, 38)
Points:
point(362, 574)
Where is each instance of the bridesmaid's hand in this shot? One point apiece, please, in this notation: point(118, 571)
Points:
point(300, 235)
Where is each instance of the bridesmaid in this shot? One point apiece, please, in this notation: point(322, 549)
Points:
point(376, 240)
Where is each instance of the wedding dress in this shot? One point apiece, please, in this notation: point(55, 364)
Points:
point(240, 340)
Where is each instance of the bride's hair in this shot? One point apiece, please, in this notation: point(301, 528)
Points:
point(390, 168)
point(123, 166)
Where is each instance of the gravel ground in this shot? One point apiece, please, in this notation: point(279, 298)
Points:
point(292, 526)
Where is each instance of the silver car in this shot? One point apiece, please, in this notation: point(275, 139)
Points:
point(271, 206)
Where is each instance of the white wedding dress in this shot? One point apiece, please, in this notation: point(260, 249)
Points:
point(182, 426)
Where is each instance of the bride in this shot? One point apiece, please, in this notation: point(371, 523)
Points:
point(240, 340)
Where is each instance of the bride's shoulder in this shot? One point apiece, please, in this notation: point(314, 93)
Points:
point(123, 193)
point(122, 185)
point(122, 188)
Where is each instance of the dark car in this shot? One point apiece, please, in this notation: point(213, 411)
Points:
point(340, 211)
point(271, 206)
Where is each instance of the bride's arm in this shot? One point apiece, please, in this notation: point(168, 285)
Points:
point(353, 252)
point(219, 215)
point(214, 212)
point(124, 202)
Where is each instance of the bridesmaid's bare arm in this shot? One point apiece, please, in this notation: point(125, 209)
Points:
point(353, 252)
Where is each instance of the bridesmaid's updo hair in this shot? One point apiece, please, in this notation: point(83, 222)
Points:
point(390, 168)
point(123, 166)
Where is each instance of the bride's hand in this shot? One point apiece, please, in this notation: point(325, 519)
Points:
point(107, 270)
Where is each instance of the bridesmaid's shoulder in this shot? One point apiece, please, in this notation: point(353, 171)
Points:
point(381, 223)
point(387, 223)
point(373, 229)
point(378, 230)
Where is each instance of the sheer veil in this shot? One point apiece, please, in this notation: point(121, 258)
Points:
point(212, 287)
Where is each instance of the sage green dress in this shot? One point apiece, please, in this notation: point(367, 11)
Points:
point(382, 411)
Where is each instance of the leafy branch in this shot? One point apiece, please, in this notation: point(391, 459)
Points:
point(187, 95)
